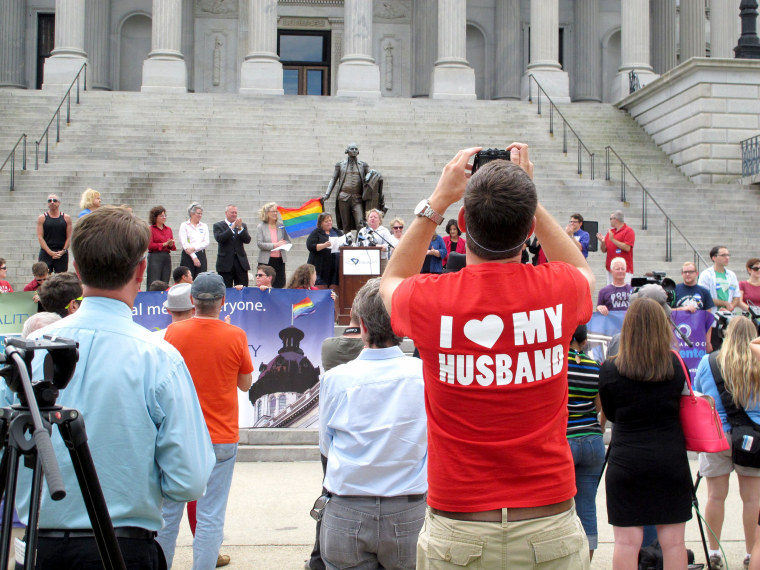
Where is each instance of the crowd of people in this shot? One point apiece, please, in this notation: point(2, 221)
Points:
point(489, 447)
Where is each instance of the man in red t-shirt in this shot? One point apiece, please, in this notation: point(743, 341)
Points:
point(219, 361)
point(492, 339)
point(618, 242)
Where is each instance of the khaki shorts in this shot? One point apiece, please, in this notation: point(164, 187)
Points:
point(717, 464)
point(553, 542)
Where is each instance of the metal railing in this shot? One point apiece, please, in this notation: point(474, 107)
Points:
point(565, 125)
point(57, 117)
point(12, 159)
point(751, 156)
point(670, 225)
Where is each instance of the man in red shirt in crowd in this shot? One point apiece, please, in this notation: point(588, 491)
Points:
point(493, 339)
point(618, 242)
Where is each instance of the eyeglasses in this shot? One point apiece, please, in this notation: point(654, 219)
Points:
point(724, 255)
point(685, 271)
point(3, 268)
point(52, 200)
point(398, 227)
point(755, 268)
point(78, 300)
point(260, 275)
point(577, 222)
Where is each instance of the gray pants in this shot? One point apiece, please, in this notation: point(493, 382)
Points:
point(371, 532)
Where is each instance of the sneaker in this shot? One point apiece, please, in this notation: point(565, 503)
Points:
point(746, 563)
point(222, 560)
point(716, 562)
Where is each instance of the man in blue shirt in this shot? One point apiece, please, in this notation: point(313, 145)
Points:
point(372, 428)
point(146, 431)
point(573, 229)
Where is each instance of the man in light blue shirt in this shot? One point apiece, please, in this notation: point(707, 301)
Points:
point(146, 431)
point(373, 432)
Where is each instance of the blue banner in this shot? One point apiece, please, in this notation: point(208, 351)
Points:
point(285, 330)
point(694, 326)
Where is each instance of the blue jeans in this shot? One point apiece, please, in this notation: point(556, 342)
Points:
point(371, 532)
point(210, 512)
point(588, 456)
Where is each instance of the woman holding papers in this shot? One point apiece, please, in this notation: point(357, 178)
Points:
point(320, 254)
point(271, 235)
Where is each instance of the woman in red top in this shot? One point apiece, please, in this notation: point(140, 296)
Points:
point(751, 287)
point(161, 243)
point(453, 240)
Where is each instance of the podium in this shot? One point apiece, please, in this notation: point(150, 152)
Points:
point(357, 266)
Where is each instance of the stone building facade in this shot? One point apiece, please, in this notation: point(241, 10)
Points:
point(579, 50)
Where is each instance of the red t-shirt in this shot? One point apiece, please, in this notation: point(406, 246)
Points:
point(215, 353)
point(5, 287)
point(33, 285)
point(627, 236)
point(158, 237)
point(495, 380)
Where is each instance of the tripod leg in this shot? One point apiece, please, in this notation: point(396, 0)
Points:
point(695, 502)
point(30, 555)
point(74, 435)
point(8, 477)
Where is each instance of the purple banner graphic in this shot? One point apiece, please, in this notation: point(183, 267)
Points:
point(285, 330)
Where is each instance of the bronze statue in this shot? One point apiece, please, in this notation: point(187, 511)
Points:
point(357, 185)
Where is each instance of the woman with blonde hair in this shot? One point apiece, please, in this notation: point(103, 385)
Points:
point(270, 235)
point(648, 480)
point(90, 201)
point(741, 377)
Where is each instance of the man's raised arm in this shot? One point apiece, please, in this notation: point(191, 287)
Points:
point(410, 253)
point(558, 246)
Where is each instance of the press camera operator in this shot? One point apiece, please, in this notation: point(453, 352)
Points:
point(146, 431)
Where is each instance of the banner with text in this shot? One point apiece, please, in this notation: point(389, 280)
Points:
point(285, 330)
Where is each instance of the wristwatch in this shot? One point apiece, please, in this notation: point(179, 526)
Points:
point(423, 210)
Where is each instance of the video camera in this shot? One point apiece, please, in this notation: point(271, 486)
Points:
point(656, 278)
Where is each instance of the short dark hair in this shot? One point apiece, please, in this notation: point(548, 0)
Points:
point(40, 268)
point(58, 290)
point(158, 285)
point(714, 251)
point(369, 308)
point(321, 218)
point(499, 206)
point(453, 223)
point(267, 270)
point(207, 307)
point(155, 211)
point(577, 217)
point(751, 261)
point(108, 245)
point(179, 273)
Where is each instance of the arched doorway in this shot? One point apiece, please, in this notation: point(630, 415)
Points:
point(134, 47)
point(611, 58)
point(476, 56)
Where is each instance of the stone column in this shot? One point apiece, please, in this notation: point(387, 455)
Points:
point(725, 28)
point(261, 73)
point(424, 41)
point(544, 52)
point(188, 41)
point(508, 57)
point(634, 46)
point(69, 55)
point(165, 71)
point(12, 43)
point(98, 43)
point(358, 74)
point(452, 77)
point(662, 18)
point(587, 85)
point(692, 29)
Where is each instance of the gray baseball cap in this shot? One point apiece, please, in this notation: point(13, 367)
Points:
point(208, 286)
point(653, 291)
point(178, 298)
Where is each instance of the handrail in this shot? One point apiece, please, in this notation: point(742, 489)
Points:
point(669, 223)
point(751, 156)
point(57, 117)
point(12, 159)
point(565, 125)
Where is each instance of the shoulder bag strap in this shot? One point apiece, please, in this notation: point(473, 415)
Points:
point(736, 415)
point(686, 374)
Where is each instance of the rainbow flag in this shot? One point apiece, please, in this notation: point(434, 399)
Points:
point(301, 221)
point(305, 307)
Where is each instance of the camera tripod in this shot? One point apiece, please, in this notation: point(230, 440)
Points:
point(36, 414)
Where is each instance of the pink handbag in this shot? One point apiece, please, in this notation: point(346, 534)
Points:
point(700, 421)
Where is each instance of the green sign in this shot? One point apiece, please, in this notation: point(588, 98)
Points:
point(15, 308)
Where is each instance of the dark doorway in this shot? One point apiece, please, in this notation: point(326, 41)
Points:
point(45, 43)
point(305, 58)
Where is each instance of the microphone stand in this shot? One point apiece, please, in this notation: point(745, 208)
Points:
point(390, 245)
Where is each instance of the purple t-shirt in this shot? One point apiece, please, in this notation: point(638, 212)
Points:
point(615, 298)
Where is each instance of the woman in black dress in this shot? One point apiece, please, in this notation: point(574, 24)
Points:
point(318, 244)
point(648, 479)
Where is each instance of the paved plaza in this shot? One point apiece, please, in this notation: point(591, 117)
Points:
point(268, 524)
